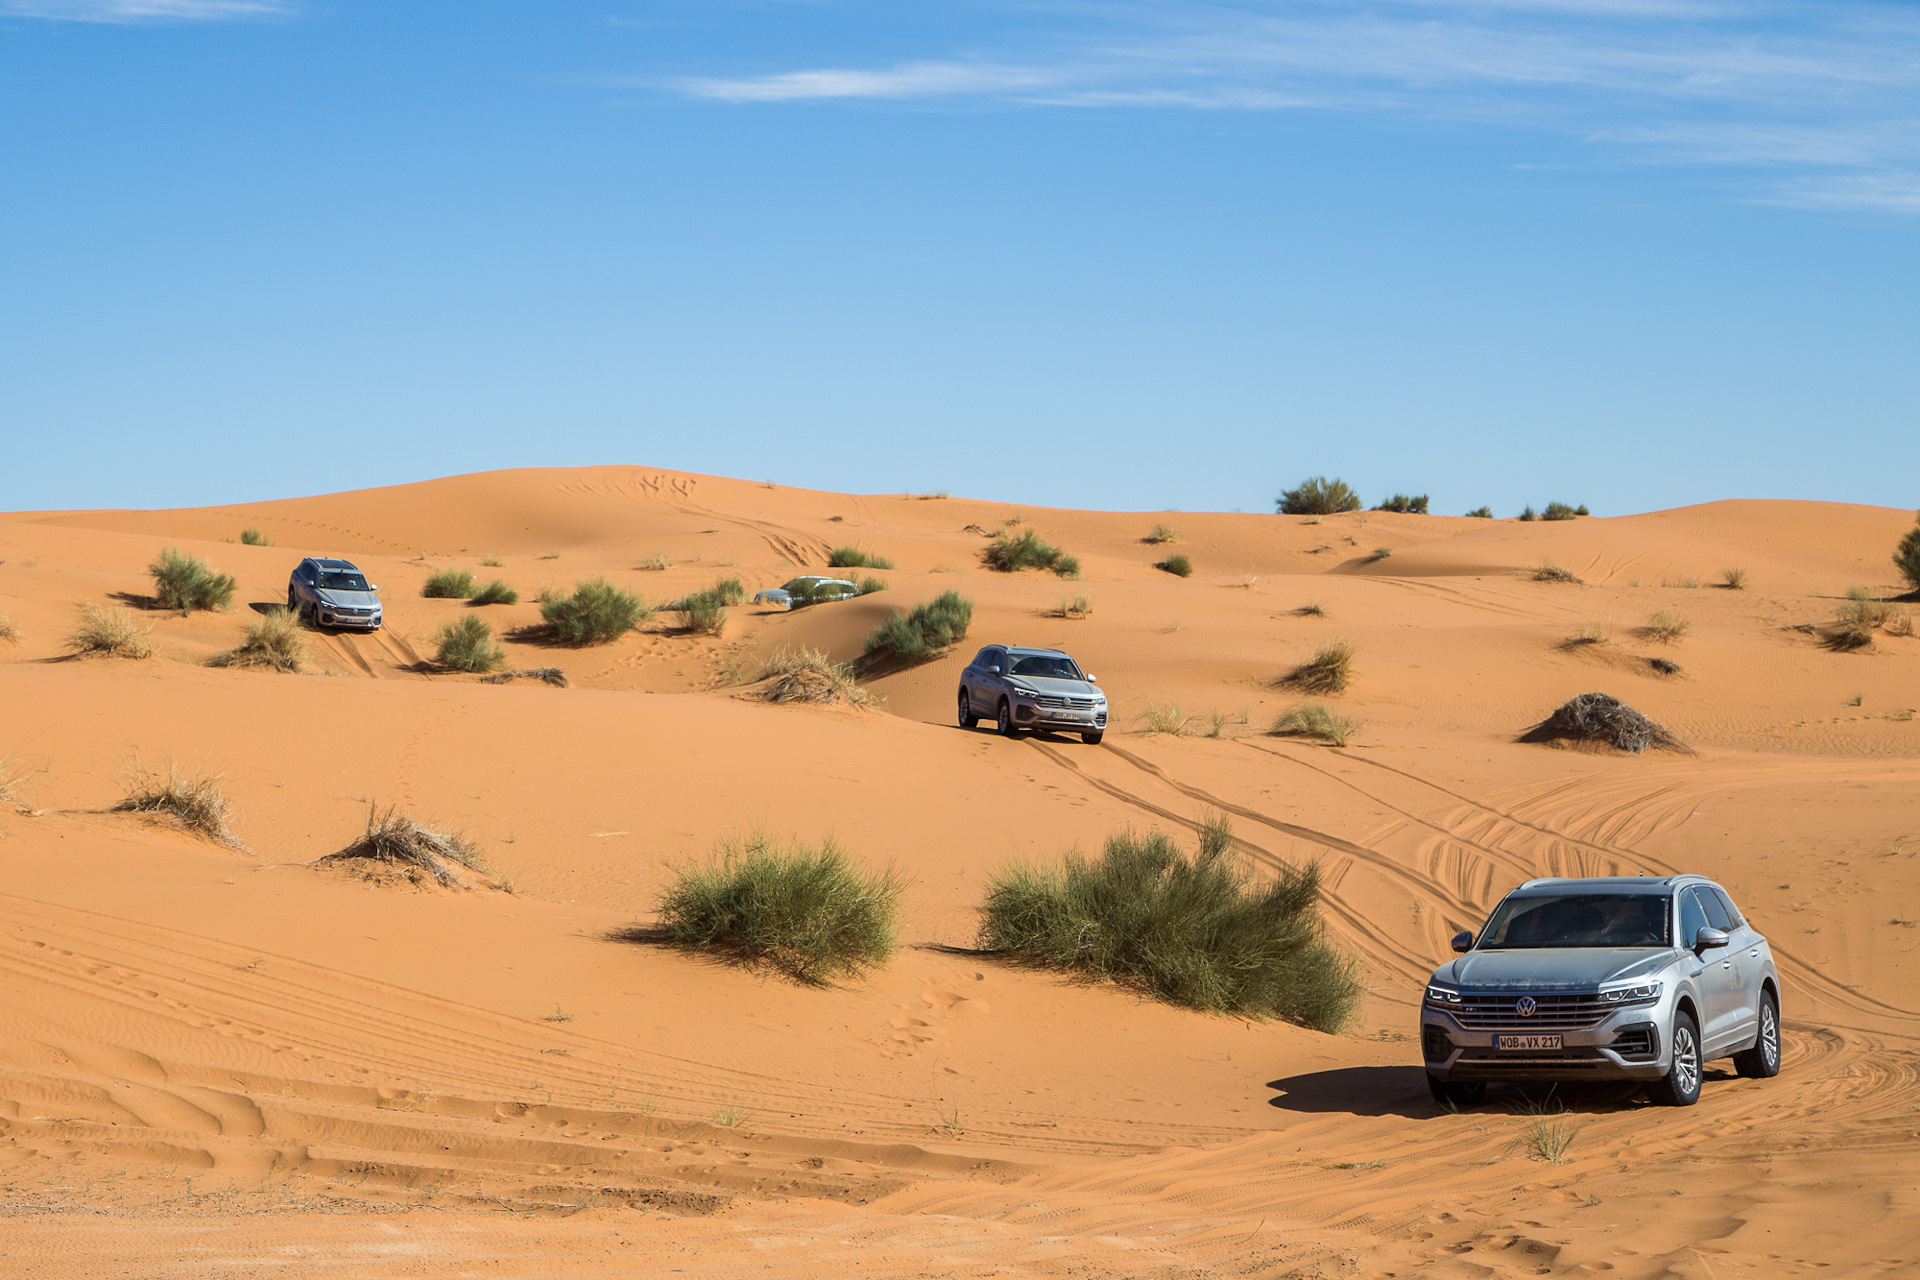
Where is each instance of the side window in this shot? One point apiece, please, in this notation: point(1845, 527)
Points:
point(997, 661)
point(1693, 917)
point(984, 659)
point(1716, 898)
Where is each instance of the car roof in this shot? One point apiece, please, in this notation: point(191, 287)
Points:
point(328, 562)
point(1021, 648)
point(1609, 884)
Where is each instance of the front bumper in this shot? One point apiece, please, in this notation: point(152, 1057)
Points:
point(347, 621)
point(1630, 1044)
point(1028, 715)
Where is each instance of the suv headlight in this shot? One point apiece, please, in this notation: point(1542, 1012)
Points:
point(1639, 993)
point(1442, 995)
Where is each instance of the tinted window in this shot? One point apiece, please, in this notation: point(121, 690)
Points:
point(1693, 917)
point(1717, 914)
point(1579, 920)
point(342, 580)
point(1045, 666)
point(1733, 912)
point(997, 661)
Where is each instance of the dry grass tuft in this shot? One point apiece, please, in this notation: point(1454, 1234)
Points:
point(1073, 607)
point(1548, 1139)
point(1551, 572)
point(1734, 579)
point(1329, 670)
point(1666, 627)
point(1311, 609)
point(1591, 634)
point(274, 639)
point(9, 629)
point(1161, 533)
point(1165, 718)
point(1599, 717)
point(11, 780)
point(655, 564)
point(547, 675)
point(1315, 720)
point(808, 675)
point(396, 848)
point(111, 630)
point(192, 800)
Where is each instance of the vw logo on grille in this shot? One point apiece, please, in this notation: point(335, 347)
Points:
point(1525, 1006)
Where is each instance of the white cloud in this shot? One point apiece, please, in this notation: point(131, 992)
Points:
point(142, 10)
point(914, 80)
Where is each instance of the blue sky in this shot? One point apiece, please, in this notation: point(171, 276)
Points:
point(1631, 253)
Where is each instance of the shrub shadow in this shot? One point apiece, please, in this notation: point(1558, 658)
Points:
point(134, 600)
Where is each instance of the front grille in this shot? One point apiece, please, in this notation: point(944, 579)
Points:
point(1553, 1010)
point(1063, 703)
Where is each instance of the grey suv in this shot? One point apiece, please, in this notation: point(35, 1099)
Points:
point(1031, 689)
point(1621, 978)
point(333, 593)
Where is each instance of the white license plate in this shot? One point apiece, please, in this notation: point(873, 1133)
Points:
point(1510, 1043)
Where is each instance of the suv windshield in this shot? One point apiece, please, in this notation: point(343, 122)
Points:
point(1580, 920)
point(1045, 666)
point(341, 580)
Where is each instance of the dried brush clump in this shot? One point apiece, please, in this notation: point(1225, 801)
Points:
point(1666, 627)
point(1551, 572)
point(274, 639)
point(1161, 533)
point(193, 800)
point(110, 630)
point(1329, 670)
point(394, 848)
point(1600, 717)
point(546, 675)
point(808, 675)
point(9, 629)
point(1315, 720)
point(1080, 606)
point(1167, 718)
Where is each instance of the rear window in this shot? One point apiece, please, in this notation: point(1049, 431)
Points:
point(1580, 920)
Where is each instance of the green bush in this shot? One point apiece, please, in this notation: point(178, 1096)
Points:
point(930, 628)
point(1561, 511)
point(1190, 930)
point(1404, 504)
point(1010, 554)
point(1906, 557)
point(254, 538)
point(810, 913)
point(274, 639)
point(495, 592)
point(1481, 513)
point(1178, 566)
point(449, 584)
point(703, 611)
point(1319, 497)
point(729, 591)
point(854, 558)
point(186, 583)
point(1315, 720)
point(870, 585)
point(595, 613)
point(466, 644)
point(1529, 514)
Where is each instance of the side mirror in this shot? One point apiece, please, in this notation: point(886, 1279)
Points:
point(1092, 679)
point(1708, 939)
point(373, 586)
point(1463, 942)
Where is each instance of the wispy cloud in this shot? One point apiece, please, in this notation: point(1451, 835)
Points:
point(142, 10)
point(1786, 85)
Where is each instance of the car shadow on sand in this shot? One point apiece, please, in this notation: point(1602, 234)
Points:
point(1402, 1091)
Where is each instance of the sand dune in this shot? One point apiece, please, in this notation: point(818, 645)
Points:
point(211, 1057)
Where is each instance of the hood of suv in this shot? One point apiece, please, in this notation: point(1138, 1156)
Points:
point(348, 599)
point(1552, 968)
point(1056, 686)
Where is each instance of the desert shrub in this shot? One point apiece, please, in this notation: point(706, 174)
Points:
point(870, 585)
point(809, 913)
point(495, 592)
point(1074, 607)
point(1219, 725)
point(655, 563)
point(466, 644)
point(1193, 930)
point(546, 675)
point(1529, 513)
point(730, 591)
point(1561, 511)
point(1855, 621)
point(9, 629)
point(110, 630)
point(1167, 718)
point(1601, 717)
point(1551, 572)
point(1315, 720)
point(492, 562)
point(1481, 513)
point(396, 847)
point(1329, 670)
point(1381, 553)
point(1666, 626)
point(704, 612)
point(1177, 565)
point(1591, 633)
point(808, 675)
point(187, 583)
point(193, 800)
point(1405, 504)
point(1161, 533)
point(927, 630)
point(449, 584)
point(254, 538)
point(595, 613)
point(1319, 496)
point(1734, 579)
point(274, 639)
point(1010, 554)
point(854, 558)
point(1906, 556)
point(1311, 609)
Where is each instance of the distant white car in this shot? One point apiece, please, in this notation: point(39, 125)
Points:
point(808, 590)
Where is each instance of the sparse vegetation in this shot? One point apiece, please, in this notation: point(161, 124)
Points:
point(492, 562)
point(449, 584)
point(1167, 718)
point(655, 563)
point(1666, 626)
point(810, 913)
point(703, 612)
point(396, 847)
point(1161, 533)
point(9, 629)
point(495, 592)
point(930, 628)
point(1405, 504)
point(1329, 670)
point(193, 800)
point(1548, 1139)
point(596, 612)
point(1177, 565)
point(870, 585)
point(854, 558)
point(808, 675)
point(1315, 720)
point(730, 591)
point(1551, 572)
point(1195, 931)
point(254, 538)
point(187, 583)
point(1591, 633)
point(1734, 579)
point(1481, 513)
point(1599, 717)
point(1219, 725)
point(1906, 557)
point(1319, 496)
point(274, 639)
point(466, 644)
point(1856, 621)
point(111, 630)
point(1080, 606)
point(1529, 514)
point(1381, 553)
point(1028, 550)
point(546, 675)
point(1561, 511)
point(1311, 609)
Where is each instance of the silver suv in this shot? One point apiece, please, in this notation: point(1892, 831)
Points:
point(1619, 978)
point(333, 593)
point(1031, 689)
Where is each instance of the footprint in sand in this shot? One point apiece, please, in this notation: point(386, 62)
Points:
point(926, 1020)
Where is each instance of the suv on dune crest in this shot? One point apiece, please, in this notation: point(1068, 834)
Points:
point(1031, 689)
point(333, 593)
point(1615, 978)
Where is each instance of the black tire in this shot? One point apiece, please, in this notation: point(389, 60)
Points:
point(1003, 719)
point(1680, 1087)
point(292, 603)
point(1092, 738)
point(1456, 1093)
point(967, 718)
point(1762, 1062)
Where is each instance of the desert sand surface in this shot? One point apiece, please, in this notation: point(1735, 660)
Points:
point(224, 1061)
